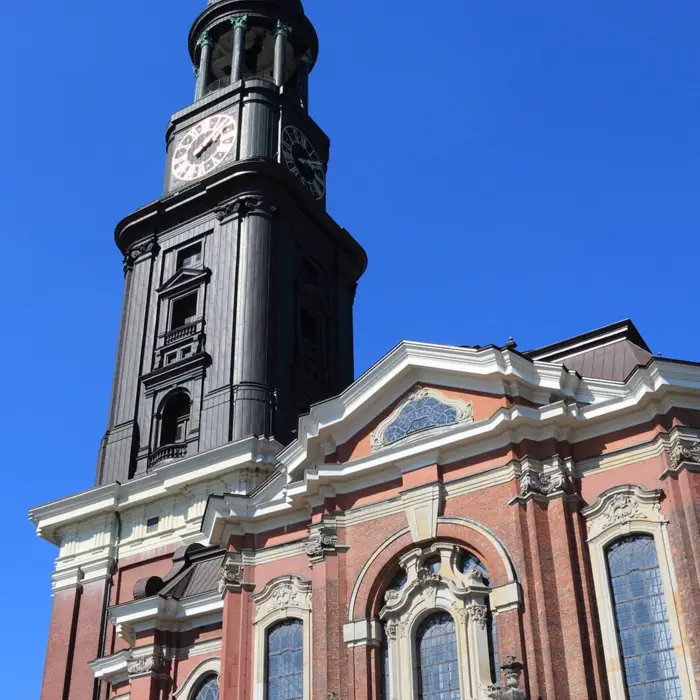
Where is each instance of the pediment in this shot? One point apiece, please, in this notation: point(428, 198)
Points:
point(184, 278)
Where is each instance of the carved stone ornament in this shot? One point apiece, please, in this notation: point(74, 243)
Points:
point(423, 411)
point(138, 251)
point(479, 613)
point(532, 482)
point(283, 593)
point(321, 541)
point(145, 665)
point(512, 670)
point(685, 453)
point(252, 204)
point(621, 505)
point(332, 696)
point(232, 573)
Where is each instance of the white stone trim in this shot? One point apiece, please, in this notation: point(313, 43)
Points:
point(207, 667)
point(618, 512)
point(462, 596)
point(166, 614)
point(286, 597)
point(422, 506)
point(465, 414)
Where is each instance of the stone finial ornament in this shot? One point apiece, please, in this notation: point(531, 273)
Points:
point(512, 670)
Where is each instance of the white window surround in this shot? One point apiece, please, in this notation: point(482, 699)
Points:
point(463, 596)
point(206, 668)
point(618, 512)
point(283, 598)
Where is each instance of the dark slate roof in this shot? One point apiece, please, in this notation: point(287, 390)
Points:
point(201, 576)
point(612, 352)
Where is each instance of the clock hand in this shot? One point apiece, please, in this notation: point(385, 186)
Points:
point(214, 137)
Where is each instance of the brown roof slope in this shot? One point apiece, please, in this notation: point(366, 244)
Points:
point(611, 352)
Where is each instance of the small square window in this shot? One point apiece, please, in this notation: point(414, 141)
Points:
point(170, 358)
point(190, 257)
point(152, 524)
point(184, 311)
point(186, 352)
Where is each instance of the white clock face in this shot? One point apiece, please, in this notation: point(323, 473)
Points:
point(302, 161)
point(204, 147)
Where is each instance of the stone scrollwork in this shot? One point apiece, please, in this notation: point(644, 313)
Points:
point(622, 505)
point(282, 594)
point(685, 453)
point(244, 206)
point(424, 410)
point(232, 573)
point(479, 613)
point(322, 540)
point(543, 484)
point(155, 663)
point(140, 250)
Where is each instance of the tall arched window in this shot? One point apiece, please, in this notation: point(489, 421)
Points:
point(438, 672)
point(208, 689)
point(641, 618)
point(174, 418)
point(285, 661)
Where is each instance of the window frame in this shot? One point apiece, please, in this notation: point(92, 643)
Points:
point(617, 513)
point(210, 666)
point(449, 591)
point(284, 598)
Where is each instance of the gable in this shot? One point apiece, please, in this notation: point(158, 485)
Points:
point(184, 278)
point(421, 411)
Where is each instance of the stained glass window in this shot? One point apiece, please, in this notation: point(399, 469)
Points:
point(421, 414)
point(641, 618)
point(436, 644)
point(208, 689)
point(285, 656)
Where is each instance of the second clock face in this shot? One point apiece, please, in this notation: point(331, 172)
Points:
point(204, 147)
point(301, 160)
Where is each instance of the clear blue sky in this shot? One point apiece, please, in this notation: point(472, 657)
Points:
point(512, 168)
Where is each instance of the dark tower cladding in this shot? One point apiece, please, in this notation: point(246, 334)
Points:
point(239, 287)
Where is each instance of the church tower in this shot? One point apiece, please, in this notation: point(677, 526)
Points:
point(239, 287)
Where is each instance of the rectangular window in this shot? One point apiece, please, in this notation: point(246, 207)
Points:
point(190, 256)
point(152, 524)
point(310, 327)
point(184, 311)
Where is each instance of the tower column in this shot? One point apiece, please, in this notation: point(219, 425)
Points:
point(282, 33)
point(239, 25)
point(253, 397)
point(205, 43)
point(303, 79)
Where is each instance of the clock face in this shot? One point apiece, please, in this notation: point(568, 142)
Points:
point(301, 160)
point(204, 147)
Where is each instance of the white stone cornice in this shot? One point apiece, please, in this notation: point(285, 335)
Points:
point(167, 614)
point(160, 482)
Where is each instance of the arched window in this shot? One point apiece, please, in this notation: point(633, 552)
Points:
point(438, 672)
point(285, 661)
point(208, 689)
point(641, 618)
point(174, 419)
